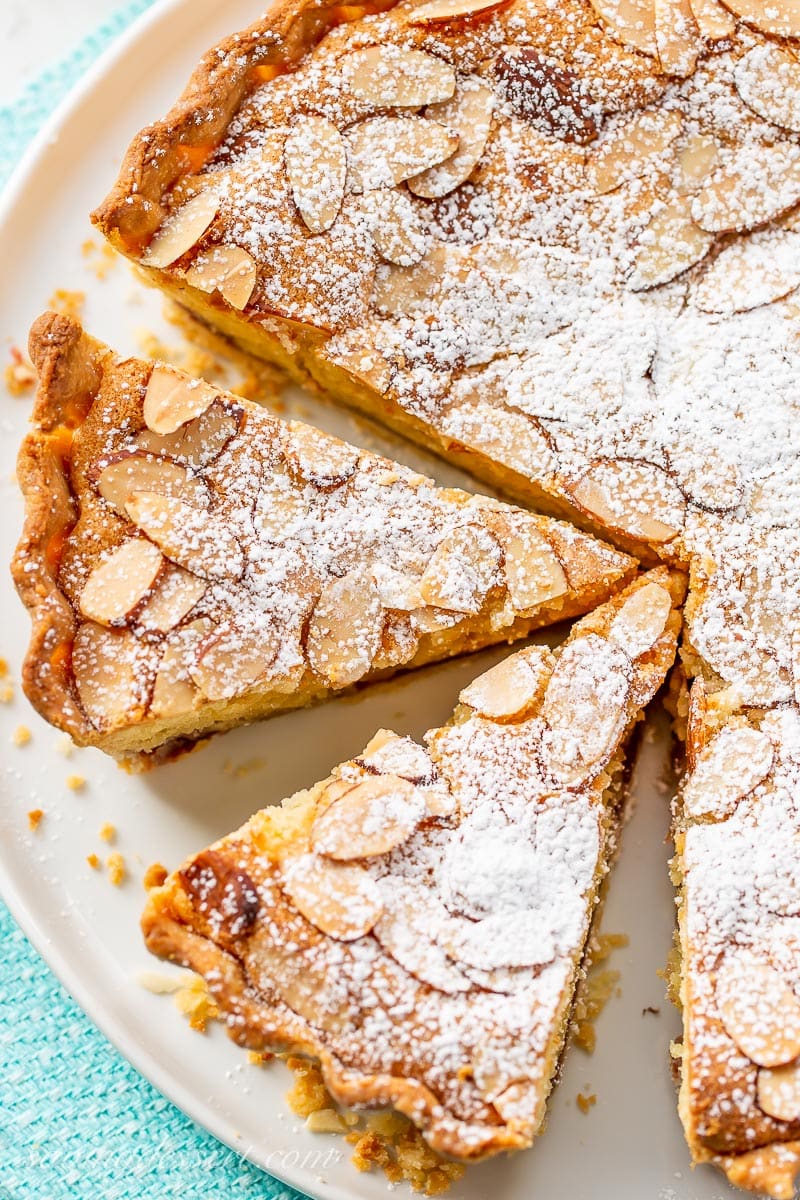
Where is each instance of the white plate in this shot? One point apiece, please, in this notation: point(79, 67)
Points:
point(630, 1144)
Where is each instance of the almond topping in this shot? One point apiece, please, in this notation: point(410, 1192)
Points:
point(585, 707)
point(229, 270)
point(631, 22)
point(696, 161)
point(108, 674)
point(449, 10)
point(174, 596)
point(758, 1009)
point(768, 80)
point(676, 37)
point(734, 762)
point(397, 230)
point(137, 472)
point(469, 113)
point(533, 571)
point(172, 399)
point(386, 150)
point(316, 166)
point(544, 90)
point(174, 693)
point(200, 441)
point(511, 689)
point(668, 246)
point(317, 458)
point(642, 619)
point(755, 184)
point(635, 497)
point(120, 583)
point(340, 899)
point(778, 1092)
point(751, 271)
point(181, 229)
point(395, 77)
point(189, 536)
point(372, 818)
point(781, 17)
point(713, 21)
point(404, 931)
point(518, 1102)
point(503, 940)
point(232, 660)
point(631, 150)
point(344, 633)
point(462, 569)
point(396, 589)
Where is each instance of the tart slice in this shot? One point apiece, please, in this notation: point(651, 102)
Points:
point(417, 921)
point(191, 562)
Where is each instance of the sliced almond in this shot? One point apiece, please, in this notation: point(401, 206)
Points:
point(584, 707)
point(317, 458)
point(778, 1092)
point(344, 633)
point(758, 1009)
point(696, 723)
point(469, 113)
point(780, 17)
point(175, 594)
point(181, 230)
point(109, 674)
point(200, 441)
point(119, 584)
point(513, 688)
point(391, 76)
point(229, 270)
point(463, 568)
point(730, 766)
point(697, 159)
point(174, 692)
point(384, 151)
point(378, 814)
point(519, 1102)
point(436, 11)
point(406, 930)
point(189, 536)
point(234, 658)
point(397, 231)
point(135, 471)
point(753, 185)
point(340, 899)
point(631, 22)
point(750, 272)
point(631, 149)
point(390, 754)
point(634, 497)
point(533, 571)
point(505, 940)
point(172, 399)
point(670, 244)
point(713, 20)
point(642, 619)
point(316, 165)
point(397, 589)
point(768, 80)
point(676, 37)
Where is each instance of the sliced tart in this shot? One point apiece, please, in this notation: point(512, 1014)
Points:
point(417, 921)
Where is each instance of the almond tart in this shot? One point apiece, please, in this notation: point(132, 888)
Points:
point(417, 921)
point(192, 562)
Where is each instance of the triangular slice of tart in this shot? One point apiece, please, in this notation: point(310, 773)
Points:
point(192, 562)
point(417, 921)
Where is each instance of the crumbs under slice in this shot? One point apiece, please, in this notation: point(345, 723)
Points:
point(598, 988)
point(101, 257)
point(76, 783)
point(19, 375)
point(35, 818)
point(587, 1102)
point(115, 866)
point(93, 861)
point(107, 832)
point(190, 993)
point(154, 876)
point(67, 303)
point(21, 735)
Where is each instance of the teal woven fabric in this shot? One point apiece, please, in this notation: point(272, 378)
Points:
point(77, 1122)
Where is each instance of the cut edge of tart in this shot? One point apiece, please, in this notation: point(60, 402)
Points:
point(418, 920)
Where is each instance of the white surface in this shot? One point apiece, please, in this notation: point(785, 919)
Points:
point(630, 1146)
point(36, 34)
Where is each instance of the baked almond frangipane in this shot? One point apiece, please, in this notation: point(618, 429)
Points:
point(417, 921)
point(192, 562)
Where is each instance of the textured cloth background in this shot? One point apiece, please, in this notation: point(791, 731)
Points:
point(77, 1122)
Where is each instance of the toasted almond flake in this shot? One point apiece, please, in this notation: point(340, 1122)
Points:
point(200, 441)
point(397, 230)
point(519, 1102)
point(181, 230)
point(387, 753)
point(758, 1009)
point(344, 632)
point(120, 583)
point(372, 818)
point(631, 149)
point(396, 589)
point(405, 931)
point(172, 399)
point(753, 185)
point(513, 688)
point(229, 270)
point(768, 80)
point(669, 245)
point(778, 1092)
point(316, 165)
point(189, 536)
point(583, 728)
point(326, 1120)
point(107, 668)
point(135, 471)
point(463, 568)
point(319, 459)
point(501, 941)
point(469, 114)
point(696, 160)
point(232, 659)
point(395, 77)
point(631, 22)
point(734, 762)
point(340, 899)
point(175, 594)
point(751, 271)
point(713, 20)
point(781, 17)
point(384, 151)
point(174, 692)
point(676, 37)
point(436, 11)
point(642, 619)
point(533, 571)
point(635, 497)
